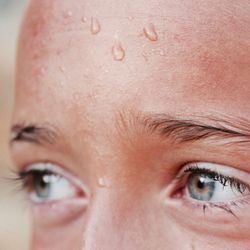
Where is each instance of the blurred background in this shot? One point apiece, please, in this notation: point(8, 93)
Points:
point(14, 222)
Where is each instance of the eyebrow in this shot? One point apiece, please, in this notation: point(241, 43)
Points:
point(178, 129)
point(34, 133)
point(189, 130)
point(198, 128)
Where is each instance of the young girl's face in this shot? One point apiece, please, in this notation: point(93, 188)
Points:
point(131, 125)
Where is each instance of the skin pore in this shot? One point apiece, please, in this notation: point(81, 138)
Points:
point(125, 100)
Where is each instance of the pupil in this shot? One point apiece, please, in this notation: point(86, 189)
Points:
point(42, 185)
point(201, 184)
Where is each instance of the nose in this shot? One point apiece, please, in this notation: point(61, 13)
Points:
point(117, 223)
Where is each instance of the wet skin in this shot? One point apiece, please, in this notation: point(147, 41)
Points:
point(119, 130)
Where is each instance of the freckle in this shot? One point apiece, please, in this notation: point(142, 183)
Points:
point(118, 52)
point(59, 51)
point(67, 14)
point(95, 26)
point(150, 32)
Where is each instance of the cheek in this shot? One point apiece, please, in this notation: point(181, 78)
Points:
point(61, 237)
point(58, 226)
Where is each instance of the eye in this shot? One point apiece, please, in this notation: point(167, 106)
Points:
point(210, 186)
point(45, 182)
point(213, 183)
point(210, 198)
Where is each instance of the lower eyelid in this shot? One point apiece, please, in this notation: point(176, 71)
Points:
point(202, 218)
point(211, 211)
point(56, 213)
point(232, 207)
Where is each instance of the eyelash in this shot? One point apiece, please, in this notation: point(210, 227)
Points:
point(26, 176)
point(22, 179)
point(222, 179)
point(25, 179)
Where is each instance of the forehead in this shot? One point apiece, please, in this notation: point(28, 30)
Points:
point(200, 61)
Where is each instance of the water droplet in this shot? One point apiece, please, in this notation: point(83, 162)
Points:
point(61, 83)
point(86, 74)
point(76, 97)
point(118, 52)
point(151, 52)
point(84, 19)
point(161, 52)
point(130, 18)
point(39, 72)
point(42, 71)
point(145, 55)
point(102, 182)
point(67, 14)
point(95, 26)
point(43, 42)
point(150, 33)
point(62, 69)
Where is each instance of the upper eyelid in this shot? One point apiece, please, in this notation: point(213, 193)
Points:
point(223, 170)
point(223, 179)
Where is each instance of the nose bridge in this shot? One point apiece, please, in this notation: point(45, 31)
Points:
point(114, 223)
